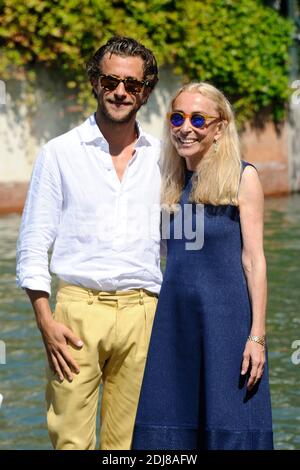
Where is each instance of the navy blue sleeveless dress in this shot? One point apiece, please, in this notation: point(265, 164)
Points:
point(193, 396)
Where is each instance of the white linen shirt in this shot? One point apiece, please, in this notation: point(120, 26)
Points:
point(104, 234)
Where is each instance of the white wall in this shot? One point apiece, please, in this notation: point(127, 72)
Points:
point(23, 133)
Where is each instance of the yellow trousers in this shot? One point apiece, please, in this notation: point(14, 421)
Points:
point(115, 328)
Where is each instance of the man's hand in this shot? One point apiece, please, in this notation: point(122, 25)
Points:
point(56, 337)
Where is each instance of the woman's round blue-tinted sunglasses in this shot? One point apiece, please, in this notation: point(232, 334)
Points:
point(197, 120)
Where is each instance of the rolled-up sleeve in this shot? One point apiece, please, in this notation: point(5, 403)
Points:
point(39, 225)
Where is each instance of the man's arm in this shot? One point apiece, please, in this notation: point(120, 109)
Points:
point(56, 337)
point(40, 222)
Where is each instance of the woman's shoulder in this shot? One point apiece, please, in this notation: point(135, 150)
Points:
point(250, 185)
point(248, 171)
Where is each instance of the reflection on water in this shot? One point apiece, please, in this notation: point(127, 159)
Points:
point(282, 236)
point(22, 415)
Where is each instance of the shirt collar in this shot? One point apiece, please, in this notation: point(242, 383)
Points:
point(91, 134)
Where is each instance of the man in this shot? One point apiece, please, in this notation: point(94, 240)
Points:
point(92, 199)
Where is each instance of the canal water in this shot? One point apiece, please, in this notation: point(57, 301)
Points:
point(22, 414)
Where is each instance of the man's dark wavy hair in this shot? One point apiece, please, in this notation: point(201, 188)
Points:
point(124, 47)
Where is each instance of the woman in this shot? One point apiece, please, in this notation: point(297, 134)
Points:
point(206, 380)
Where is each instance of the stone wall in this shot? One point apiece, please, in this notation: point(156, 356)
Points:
point(294, 146)
point(267, 149)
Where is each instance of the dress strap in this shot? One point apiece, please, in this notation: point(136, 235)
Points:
point(244, 164)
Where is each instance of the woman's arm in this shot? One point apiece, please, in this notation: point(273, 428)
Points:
point(251, 203)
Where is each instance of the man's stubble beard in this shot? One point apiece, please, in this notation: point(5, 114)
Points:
point(112, 120)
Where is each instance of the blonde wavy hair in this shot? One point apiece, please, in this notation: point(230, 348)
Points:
point(217, 178)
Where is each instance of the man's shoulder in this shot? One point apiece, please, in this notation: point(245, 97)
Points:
point(153, 141)
point(153, 144)
point(65, 140)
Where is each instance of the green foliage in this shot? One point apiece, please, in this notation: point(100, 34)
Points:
point(240, 46)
